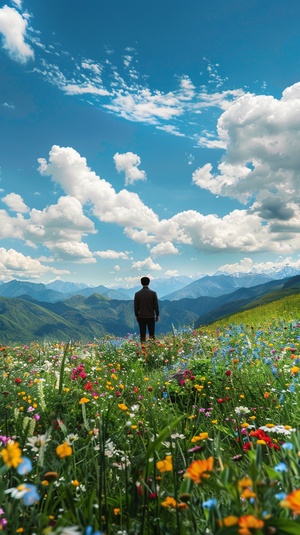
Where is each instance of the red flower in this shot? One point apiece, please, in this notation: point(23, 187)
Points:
point(228, 372)
point(18, 380)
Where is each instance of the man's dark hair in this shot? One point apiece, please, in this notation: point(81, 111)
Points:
point(145, 281)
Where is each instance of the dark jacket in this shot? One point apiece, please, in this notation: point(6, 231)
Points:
point(146, 303)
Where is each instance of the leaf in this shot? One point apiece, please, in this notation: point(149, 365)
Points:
point(284, 526)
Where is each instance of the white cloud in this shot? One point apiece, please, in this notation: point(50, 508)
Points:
point(11, 227)
point(15, 202)
point(9, 106)
point(164, 248)
point(240, 230)
point(246, 265)
point(13, 28)
point(171, 273)
point(18, 3)
point(129, 163)
point(15, 264)
point(111, 254)
point(75, 89)
point(71, 171)
point(262, 135)
point(70, 250)
point(144, 106)
point(146, 264)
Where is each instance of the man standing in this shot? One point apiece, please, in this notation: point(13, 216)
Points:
point(146, 309)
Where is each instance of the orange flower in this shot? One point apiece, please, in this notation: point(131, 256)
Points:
point(228, 521)
point(198, 469)
point(202, 436)
point(247, 523)
point(64, 450)
point(171, 503)
point(245, 482)
point(248, 493)
point(122, 407)
point(292, 501)
point(165, 465)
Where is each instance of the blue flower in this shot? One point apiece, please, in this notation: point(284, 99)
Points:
point(209, 503)
point(31, 496)
point(287, 446)
point(24, 467)
point(89, 531)
point(280, 496)
point(281, 467)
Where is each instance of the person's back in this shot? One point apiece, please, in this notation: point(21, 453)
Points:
point(146, 309)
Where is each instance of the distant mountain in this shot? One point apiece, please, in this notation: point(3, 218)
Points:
point(48, 293)
point(163, 286)
point(216, 285)
point(38, 292)
point(66, 287)
point(102, 290)
point(86, 318)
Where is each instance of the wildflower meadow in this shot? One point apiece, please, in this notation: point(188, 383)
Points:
point(194, 433)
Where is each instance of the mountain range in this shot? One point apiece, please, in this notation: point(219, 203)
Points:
point(27, 317)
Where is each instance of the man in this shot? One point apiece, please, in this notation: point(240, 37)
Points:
point(146, 309)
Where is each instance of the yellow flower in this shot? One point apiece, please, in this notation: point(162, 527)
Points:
point(12, 455)
point(202, 436)
point(262, 442)
point(75, 483)
point(295, 369)
point(64, 450)
point(122, 407)
point(166, 465)
point(214, 421)
point(198, 469)
point(83, 400)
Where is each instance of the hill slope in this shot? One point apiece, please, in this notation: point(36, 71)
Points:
point(86, 318)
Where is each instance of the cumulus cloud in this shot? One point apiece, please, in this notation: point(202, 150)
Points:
point(111, 254)
point(272, 207)
point(262, 136)
point(164, 248)
point(240, 230)
point(15, 202)
point(146, 264)
point(68, 169)
point(71, 250)
point(129, 163)
point(15, 264)
point(13, 28)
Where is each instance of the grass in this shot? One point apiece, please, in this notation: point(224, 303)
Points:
point(196, 433)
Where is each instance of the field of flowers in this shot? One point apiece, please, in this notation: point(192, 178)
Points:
point(195, 433)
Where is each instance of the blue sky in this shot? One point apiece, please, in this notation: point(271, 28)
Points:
point(154, 139)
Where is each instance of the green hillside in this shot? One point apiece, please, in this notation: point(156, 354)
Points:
point(287, 308)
